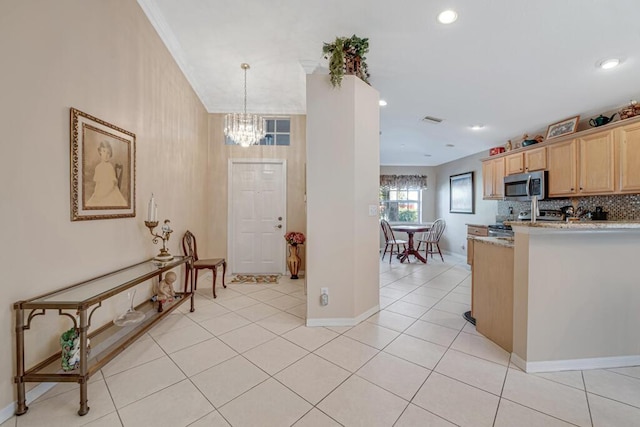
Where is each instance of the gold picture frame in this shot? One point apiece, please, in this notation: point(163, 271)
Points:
point(564, 127)
point(103, 169)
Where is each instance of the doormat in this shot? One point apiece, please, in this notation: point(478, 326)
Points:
point(255, 278)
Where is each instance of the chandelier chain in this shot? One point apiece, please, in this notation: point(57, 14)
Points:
point(245, 91)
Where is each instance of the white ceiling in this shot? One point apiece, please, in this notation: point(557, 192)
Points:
point(514, 66)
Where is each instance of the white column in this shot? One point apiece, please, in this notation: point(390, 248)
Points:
point(343, 168)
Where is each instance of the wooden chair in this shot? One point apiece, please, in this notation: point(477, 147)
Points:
point(190, 248)
point(390, 240)
point(432, 237)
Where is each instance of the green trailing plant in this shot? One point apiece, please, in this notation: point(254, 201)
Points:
point(346, 55)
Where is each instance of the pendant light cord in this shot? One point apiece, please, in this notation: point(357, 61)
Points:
point(245, 92)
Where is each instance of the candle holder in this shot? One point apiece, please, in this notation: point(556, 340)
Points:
point(164, 254)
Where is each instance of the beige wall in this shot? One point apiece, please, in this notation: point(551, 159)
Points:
point(343, 181)
point(295, 155)
point(104, 58)
point(454, 238)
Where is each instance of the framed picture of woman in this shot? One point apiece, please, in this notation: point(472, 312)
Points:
point(102, 169)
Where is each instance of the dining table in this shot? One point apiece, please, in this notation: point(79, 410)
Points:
point(411, 230)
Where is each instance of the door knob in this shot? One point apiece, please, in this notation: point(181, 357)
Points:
point(278, 226)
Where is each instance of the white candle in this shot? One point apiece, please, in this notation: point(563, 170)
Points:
point(151, 208)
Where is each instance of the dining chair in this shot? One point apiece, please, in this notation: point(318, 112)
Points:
point(432, 237)
point(390, 240)
point(190, 248)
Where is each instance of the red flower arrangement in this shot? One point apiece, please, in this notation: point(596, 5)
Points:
point(294, 238)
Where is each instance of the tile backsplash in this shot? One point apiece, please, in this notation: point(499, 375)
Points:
point(622, 207)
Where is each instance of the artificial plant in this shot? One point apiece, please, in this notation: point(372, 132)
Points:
point(343, 51)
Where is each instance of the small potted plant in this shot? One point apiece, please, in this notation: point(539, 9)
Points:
point(346, 56)
point(294, 238)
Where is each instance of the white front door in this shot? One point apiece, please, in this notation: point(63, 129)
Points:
point(257, 209)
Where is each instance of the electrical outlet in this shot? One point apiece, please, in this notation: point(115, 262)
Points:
point(324, 296)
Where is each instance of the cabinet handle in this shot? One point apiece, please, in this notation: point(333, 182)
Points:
point(571, 188)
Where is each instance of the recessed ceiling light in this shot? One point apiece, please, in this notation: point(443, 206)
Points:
point(447, 17)
point(449, 145)
point(477, 127)
point(605, 64)
point(382, 102)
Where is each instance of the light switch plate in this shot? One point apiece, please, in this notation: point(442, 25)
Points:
point(373, 210)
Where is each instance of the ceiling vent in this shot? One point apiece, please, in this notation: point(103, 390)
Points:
point(431, 119)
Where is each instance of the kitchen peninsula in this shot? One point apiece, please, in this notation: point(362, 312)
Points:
point(576, 293)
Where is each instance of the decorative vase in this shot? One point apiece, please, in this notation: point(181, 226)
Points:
point(293, 261)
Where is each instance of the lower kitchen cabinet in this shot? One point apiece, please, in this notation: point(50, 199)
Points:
point(492, 292)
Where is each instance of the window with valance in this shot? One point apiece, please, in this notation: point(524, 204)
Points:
point(401, 197)
point(413, 182)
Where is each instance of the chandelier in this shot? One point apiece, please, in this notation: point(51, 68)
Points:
point(244, 129)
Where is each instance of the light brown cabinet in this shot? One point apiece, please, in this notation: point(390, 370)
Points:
point(492, 178)
point(474, 230)
point(597, 161)
point(527, 161)
point(628, 139)
point(563, 168)
point(492, 292)
point(583, 166)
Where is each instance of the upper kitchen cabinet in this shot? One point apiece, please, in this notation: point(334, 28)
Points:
point(597, 158)
point(582, 166)
point(534, 159)
point(563, 168)
point(492, 178)
point(628, 138)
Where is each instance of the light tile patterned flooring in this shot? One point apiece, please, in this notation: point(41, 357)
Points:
point(248, 360)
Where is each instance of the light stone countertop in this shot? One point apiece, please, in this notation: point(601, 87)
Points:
point(578, 225)
point(498, 241)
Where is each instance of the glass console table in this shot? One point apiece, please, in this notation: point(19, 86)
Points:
point(107, 341)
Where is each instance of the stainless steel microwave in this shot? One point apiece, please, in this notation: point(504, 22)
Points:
point(524, 186)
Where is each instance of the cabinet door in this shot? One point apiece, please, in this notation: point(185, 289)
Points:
point(535, 159)
point(487, 179)
point(514, 163)
point(498, 178)
point(629, 140)
point(562, 161)
point(597, 163)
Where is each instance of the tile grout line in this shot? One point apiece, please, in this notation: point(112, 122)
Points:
point(586, 395)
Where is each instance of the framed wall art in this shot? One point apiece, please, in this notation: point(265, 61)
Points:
point(563, 127)
point(461, 193)
point(103, 169)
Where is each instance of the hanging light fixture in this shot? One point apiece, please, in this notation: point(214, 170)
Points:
point(244, 129)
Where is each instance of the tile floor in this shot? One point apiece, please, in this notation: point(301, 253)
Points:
point(248, 360)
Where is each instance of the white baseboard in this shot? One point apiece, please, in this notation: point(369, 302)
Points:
point(343, 321)
point(575, 364)
point(8, 411)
